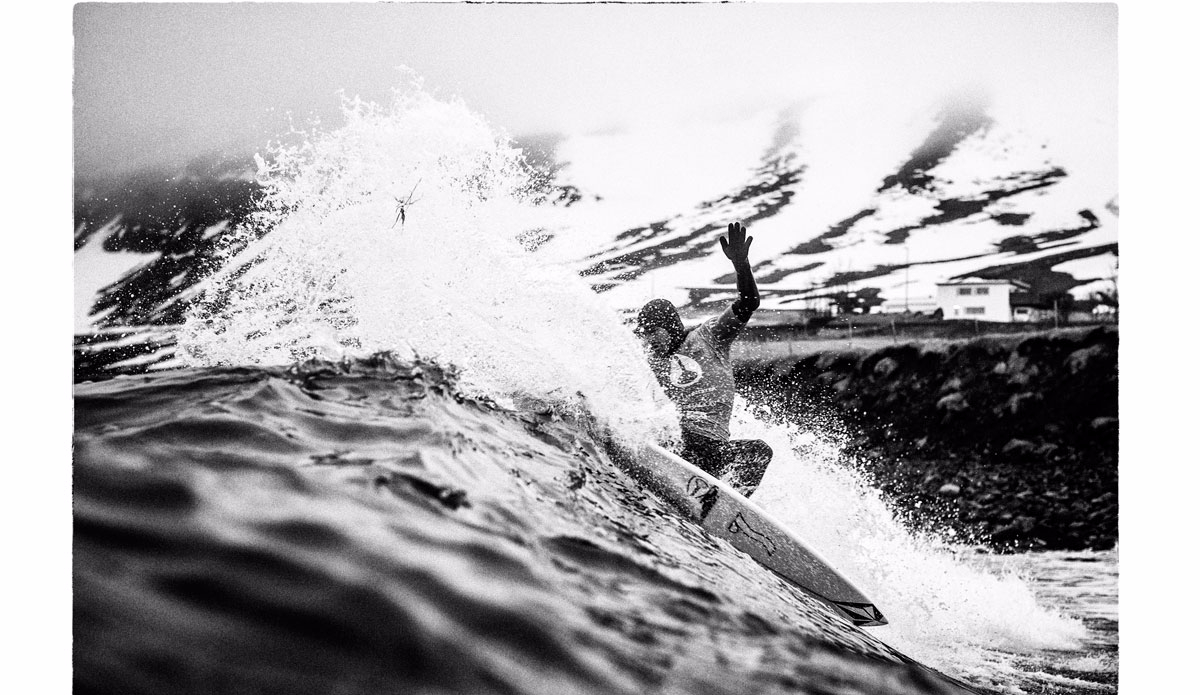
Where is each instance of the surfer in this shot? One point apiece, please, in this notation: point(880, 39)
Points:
point(695, 370)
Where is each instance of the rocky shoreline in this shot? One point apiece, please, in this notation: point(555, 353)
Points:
point(1004, 441)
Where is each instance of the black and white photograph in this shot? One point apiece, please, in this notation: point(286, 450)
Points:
point(596, 347)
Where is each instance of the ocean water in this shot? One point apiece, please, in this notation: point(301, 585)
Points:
point(349, 526)
point(375, 468)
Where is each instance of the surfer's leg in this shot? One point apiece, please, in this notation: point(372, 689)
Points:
point(704, 453)
point(747, 463)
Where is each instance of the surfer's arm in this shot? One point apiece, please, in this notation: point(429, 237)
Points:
point(726, 327)
point(737, 249)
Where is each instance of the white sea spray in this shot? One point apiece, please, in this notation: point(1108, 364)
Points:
point(403, 231)
point(942, 609)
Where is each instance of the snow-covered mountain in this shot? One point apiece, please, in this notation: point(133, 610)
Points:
point(840, 196)
point(883, 209)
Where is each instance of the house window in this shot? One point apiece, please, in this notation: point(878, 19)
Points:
point(976, 310)
point(981, 290)
point(964, 290)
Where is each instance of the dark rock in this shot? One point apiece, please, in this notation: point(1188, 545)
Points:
point(1003, 535)
point(1019, 446)
point(1017, 402)
point(836, 360)
point(828, 378)
point(1021, 371)
point(1080, 359)
point(938, 417)
point(952, 402)
point(951, 384)
point(886, 366)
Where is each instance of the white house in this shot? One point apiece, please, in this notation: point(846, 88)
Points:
point(975, 298)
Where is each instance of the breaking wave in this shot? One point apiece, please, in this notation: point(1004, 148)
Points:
point(412, 229)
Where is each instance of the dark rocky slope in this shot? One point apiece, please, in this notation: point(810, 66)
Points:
point(1007, 441)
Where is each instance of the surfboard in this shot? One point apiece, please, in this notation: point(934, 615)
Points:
point(726, 514)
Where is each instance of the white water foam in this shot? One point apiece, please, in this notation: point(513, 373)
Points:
point(942, 611)
point(456, 280)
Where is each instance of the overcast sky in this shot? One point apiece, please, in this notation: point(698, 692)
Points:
point(160, 83)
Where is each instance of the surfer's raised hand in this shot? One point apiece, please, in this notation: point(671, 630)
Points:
point(737, 245)
point(737, 250)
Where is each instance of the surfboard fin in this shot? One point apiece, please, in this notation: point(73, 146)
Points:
point(861, 614)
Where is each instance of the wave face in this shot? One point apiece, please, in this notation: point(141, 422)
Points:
point(365, 526)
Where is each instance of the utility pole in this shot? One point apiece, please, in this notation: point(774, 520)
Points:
point(906, 277)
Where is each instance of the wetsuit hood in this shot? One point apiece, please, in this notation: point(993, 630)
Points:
point(660, 313)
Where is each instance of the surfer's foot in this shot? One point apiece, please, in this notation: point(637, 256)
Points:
point(749, 459)
point(742, 488)
point(739, 462)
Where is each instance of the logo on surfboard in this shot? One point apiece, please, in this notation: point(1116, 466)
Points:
point(740, 525)
point(706, 494)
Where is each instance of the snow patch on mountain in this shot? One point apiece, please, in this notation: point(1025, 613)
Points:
point(96, 270)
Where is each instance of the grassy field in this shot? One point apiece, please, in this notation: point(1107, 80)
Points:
point(744, 350)
point(754, 350)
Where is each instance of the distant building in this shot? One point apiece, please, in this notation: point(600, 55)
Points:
point(914, 305)
point(978, 299)
point(1032, 307)
point(1028, 313)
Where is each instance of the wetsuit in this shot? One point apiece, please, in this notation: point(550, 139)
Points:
point(695, 371)
point(698, 377)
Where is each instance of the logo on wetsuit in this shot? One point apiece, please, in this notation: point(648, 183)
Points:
point(685, 371)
